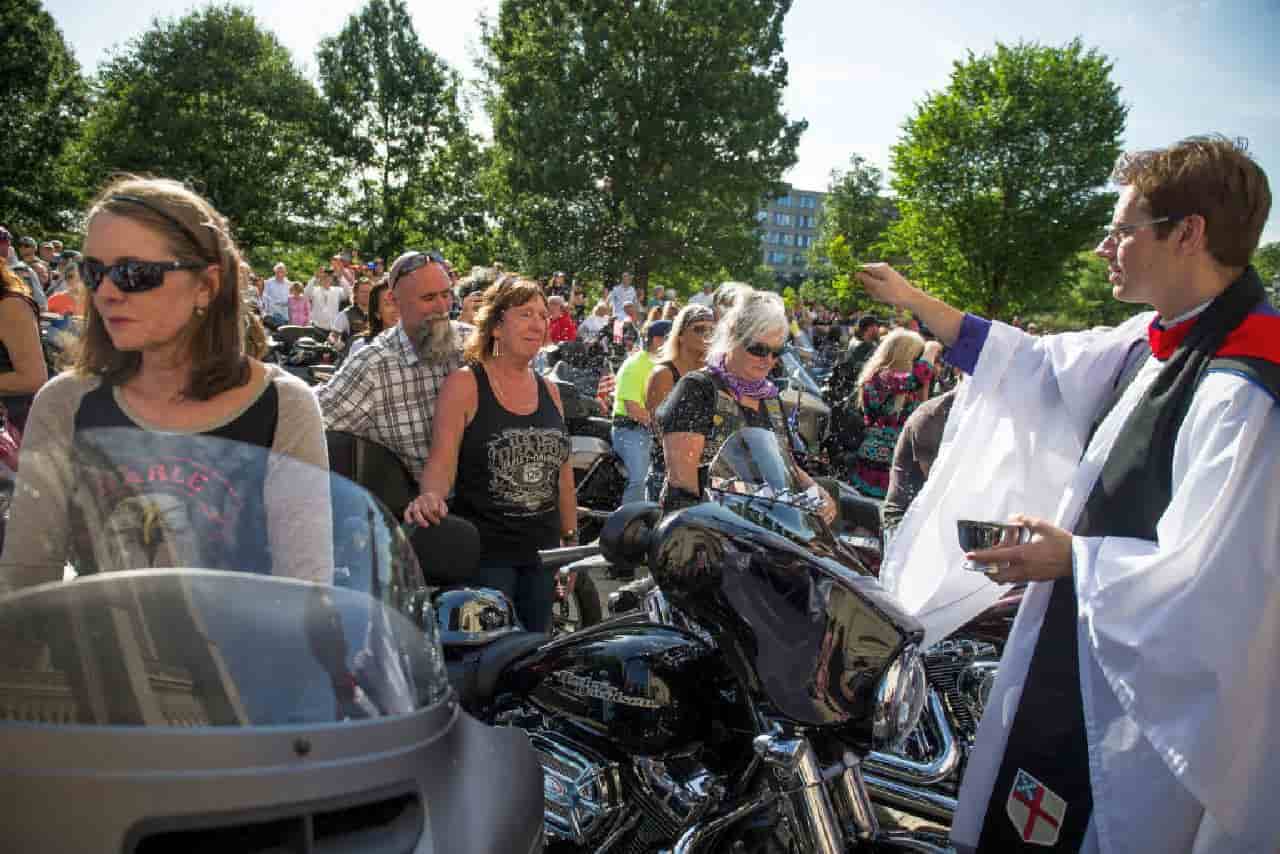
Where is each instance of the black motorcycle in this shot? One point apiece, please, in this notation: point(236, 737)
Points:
point(190, 708)
point(742, 727)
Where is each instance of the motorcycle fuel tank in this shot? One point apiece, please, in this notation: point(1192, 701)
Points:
point(807, 633)
point(643, 688)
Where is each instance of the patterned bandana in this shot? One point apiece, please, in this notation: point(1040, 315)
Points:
point(758, 389)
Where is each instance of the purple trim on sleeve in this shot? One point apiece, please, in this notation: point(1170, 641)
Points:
point(968, 347)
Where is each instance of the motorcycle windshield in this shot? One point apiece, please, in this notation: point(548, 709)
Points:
point(219, 584)
point(798, 374)
point(753, 476)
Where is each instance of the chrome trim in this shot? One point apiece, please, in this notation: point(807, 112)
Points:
point(919, 802)
point(580, 792)
point(624, 827)
point(683, 802)
point(692, 841)
point(794, 758)
point(851, 793)
point(914, 773)
point(906, 841)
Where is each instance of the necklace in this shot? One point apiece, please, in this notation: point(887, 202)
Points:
point(496, 384)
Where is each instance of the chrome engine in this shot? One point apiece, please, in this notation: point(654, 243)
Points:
point(922, 776)
point(605, 806)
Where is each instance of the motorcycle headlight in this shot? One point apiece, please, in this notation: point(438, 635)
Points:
point(899, 699)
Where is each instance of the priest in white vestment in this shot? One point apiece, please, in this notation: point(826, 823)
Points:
point(1176, 632)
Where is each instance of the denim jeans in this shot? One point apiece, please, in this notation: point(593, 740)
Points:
point(530, 588)
point(632, 445)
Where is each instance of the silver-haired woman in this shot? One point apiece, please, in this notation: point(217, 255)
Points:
point(709, 405)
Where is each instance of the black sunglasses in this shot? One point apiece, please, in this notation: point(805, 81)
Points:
point(417, 261)
point(134, 277)
point(760, 350)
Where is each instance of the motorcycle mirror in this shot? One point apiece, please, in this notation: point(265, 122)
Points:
point(627, 533)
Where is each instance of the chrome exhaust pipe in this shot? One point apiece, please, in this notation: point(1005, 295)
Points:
point(910, 772)
point(921, 803)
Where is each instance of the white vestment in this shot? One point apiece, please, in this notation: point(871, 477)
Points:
point(1176, 638)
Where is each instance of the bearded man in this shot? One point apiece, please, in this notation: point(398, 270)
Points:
point(387, 391)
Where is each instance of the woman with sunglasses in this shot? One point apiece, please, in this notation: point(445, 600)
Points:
point(709, 405)
point(163, 403)
point(684, 351)
point(893, 383)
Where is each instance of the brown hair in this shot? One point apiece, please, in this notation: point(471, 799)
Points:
point(11, 283)
point(193, 230)
point(376, 296)
point(508, 293)
point(1207, 175)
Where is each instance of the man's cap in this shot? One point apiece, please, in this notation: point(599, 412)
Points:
point(26, 241)
point(5, 236)
point(657, 329)
point(867, 321)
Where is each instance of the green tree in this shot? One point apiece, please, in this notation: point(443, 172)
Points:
point(999, 177)
point(855, 209)
point(1267, 261)
point(215, 100)
point(43, 99)
point(399, 129)
point(669, 112)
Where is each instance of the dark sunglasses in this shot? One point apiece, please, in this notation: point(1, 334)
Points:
point(134, 277)
point(417, 261)
point(760, 350)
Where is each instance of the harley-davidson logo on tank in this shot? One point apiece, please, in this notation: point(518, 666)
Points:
point(586, 688)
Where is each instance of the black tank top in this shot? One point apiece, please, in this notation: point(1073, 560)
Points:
point(210, 495)
point(658, 460)
point(509, 475)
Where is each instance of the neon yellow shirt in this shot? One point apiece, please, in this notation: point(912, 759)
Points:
point(632, 377)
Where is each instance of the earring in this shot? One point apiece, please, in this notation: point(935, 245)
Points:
point(497, 347)
point(200, 312)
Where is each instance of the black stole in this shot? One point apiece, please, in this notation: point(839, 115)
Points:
point(1048, 738)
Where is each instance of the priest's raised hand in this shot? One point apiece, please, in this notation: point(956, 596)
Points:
point(1046, 557)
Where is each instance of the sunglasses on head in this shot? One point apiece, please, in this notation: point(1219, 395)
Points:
point(760, 350)
point(416, 262)
point(133, 277)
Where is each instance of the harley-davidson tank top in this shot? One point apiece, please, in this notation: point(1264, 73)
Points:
point(509, 475)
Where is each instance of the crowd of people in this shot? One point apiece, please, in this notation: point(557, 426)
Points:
point(1139, 663)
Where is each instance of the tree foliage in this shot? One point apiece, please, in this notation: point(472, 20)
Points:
point(669, 111)
point(1267, 261)
point(213, 99)
point(399, 129)
point(43, 99)
point(999, 177)
point(856, 209)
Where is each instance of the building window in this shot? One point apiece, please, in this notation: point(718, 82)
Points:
point(781, 219)
point(762, 216)
point(788, 239)
point(797, 259)
point(783, 202)
point(804, 241)
point(777, 257)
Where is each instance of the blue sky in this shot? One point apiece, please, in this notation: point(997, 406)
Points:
point(858, 69)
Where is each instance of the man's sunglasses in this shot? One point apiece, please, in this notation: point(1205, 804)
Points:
point(134, 277)
point(416, 262)
point(760, 350)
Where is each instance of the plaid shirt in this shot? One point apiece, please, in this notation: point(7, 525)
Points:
point(387, 394)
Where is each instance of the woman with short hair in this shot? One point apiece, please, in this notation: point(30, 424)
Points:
point(709, 405)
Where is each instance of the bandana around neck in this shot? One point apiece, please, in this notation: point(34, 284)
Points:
point(757, 390)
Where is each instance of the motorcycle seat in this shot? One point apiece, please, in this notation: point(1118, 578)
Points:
point(596, 428)
point(474, 675)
